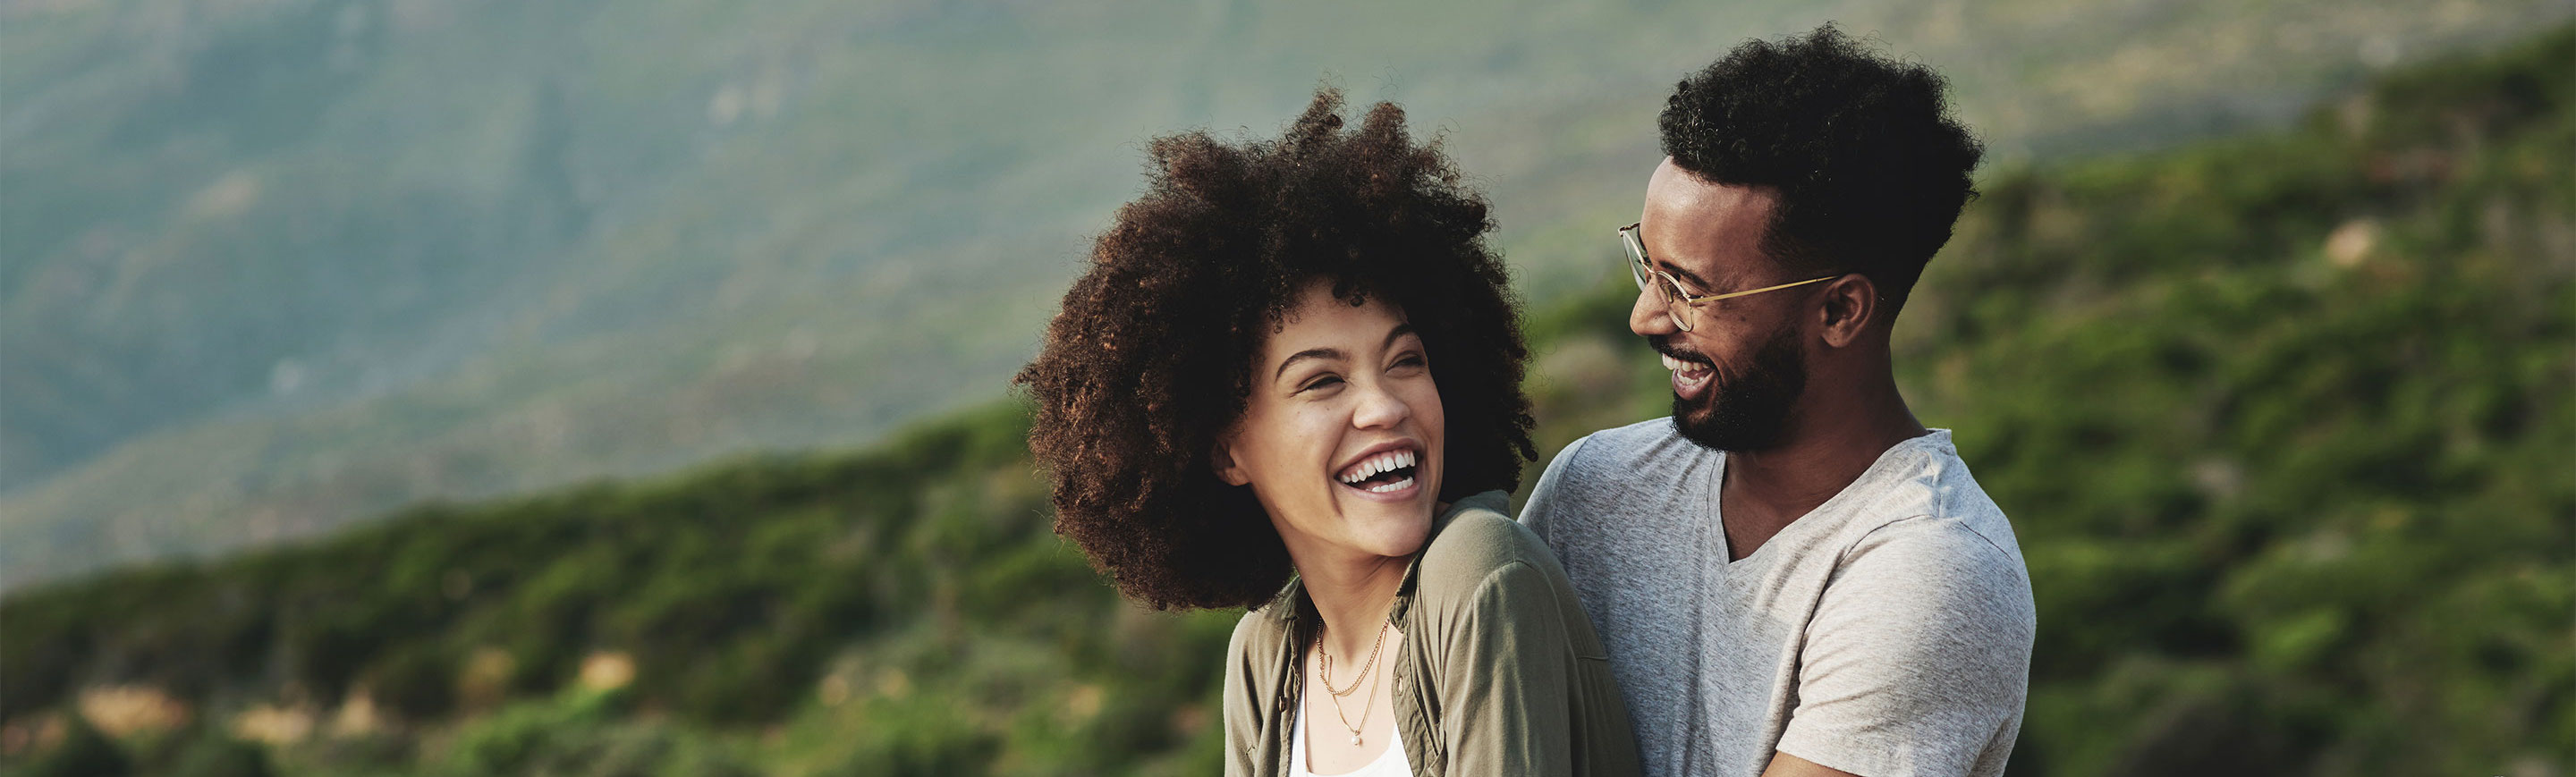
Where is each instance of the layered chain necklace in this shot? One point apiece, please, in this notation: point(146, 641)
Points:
point(1324, 668)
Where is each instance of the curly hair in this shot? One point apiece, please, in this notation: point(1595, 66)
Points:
point(1150, 359)
point(1871, 169)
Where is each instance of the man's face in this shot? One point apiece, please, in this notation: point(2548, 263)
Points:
point(1738, 374)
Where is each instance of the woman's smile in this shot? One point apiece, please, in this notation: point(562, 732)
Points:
point(1385, 472)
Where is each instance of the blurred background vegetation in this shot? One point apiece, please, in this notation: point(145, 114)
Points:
point(278, 266)
point(2264, 334)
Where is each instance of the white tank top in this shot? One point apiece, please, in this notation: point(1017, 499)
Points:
point(1388, 764)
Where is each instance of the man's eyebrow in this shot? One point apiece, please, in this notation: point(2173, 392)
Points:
point(1310, 353)
point(1700, 284)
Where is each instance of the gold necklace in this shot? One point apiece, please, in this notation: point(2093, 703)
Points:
point(1324, 670)
point(1327, 662)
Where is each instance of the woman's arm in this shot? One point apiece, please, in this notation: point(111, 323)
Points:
point(1506, 680)
point(1242, 705)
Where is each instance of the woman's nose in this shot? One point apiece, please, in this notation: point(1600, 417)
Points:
point(1380, 408)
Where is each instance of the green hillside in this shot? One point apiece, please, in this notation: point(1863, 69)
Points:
point(271, 266)
point(2282, 420)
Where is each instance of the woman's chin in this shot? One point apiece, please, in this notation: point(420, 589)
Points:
point(1390, 530)
point(1396, 543)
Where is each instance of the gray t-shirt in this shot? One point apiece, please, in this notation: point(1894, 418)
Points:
point(1885, 633)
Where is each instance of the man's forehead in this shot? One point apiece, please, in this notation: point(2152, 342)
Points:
point(1682, 192)
point(1704, 226)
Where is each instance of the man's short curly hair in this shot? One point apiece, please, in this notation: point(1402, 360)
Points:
point(1870, 167)
point(1151, 358)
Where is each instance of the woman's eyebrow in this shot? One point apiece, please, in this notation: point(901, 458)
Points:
point(1400, 330)
point(1310, 353)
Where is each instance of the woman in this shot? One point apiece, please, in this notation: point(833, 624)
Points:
point(1290, 382)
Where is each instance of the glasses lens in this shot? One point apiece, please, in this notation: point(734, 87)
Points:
point(1636, 257)
point(1676, 303)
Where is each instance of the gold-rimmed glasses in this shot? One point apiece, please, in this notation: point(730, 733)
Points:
point(1679, 303)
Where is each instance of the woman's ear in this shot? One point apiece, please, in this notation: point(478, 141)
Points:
point(1222, 460)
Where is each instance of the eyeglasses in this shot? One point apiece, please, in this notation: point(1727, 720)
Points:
point(1679, 303)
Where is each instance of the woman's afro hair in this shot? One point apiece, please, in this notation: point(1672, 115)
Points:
point(1150, 360)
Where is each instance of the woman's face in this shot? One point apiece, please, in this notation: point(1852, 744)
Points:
point(1341, 438)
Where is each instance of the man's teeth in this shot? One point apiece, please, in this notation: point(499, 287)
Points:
point(1678, 365)
point(1376, 464)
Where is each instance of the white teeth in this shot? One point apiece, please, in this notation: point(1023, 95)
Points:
point(1377, 464)
point(1678, 365)
point(1386, 488)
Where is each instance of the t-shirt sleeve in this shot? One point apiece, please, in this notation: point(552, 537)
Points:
point(1918, 658)
point(1539, 514)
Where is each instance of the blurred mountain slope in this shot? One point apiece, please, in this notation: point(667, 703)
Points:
point(2280, 419)
point(268, 267)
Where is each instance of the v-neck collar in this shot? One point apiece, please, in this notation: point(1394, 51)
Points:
point(1717, 500)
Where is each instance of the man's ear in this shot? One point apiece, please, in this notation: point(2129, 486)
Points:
point(1222, 460)
point(1850, 304)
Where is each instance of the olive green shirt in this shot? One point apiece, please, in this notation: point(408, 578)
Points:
point(1499, 674)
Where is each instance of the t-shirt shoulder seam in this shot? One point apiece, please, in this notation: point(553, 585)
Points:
point(1963, 524)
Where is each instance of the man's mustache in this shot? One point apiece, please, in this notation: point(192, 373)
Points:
point(1663, 345)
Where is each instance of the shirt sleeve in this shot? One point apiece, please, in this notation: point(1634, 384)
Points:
point(1918, 658)
point(1242, 706)
point(1504, 694)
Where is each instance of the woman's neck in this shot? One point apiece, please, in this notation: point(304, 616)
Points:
point(1353, 594)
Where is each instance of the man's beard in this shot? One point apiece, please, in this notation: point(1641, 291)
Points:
point(1748, 412)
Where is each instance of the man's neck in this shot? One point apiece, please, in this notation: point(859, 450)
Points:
point(1830, 446)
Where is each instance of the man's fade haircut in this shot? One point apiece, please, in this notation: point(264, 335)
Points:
point(1150, 360)
point(1870, 168)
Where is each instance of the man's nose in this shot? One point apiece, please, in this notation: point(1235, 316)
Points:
point(1649, 316)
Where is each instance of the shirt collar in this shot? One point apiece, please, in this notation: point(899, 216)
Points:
point(1291, 604)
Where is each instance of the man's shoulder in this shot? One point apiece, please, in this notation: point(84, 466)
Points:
point(1632, 477)
point(1628, 456)
point(1924, 493)
point(1912, 550)
point(1642, 438)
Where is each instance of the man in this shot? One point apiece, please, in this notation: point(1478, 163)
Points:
point(1791, 575)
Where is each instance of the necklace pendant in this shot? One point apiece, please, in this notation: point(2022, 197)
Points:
point(1355, 740)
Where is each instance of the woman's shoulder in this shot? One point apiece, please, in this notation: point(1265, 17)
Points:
point(1260, 631)
point(1477, 545)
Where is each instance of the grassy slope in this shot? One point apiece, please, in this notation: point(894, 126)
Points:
point(275, 266)
point(2281, 421)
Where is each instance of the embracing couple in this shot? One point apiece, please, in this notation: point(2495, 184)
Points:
point(1291, 382)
